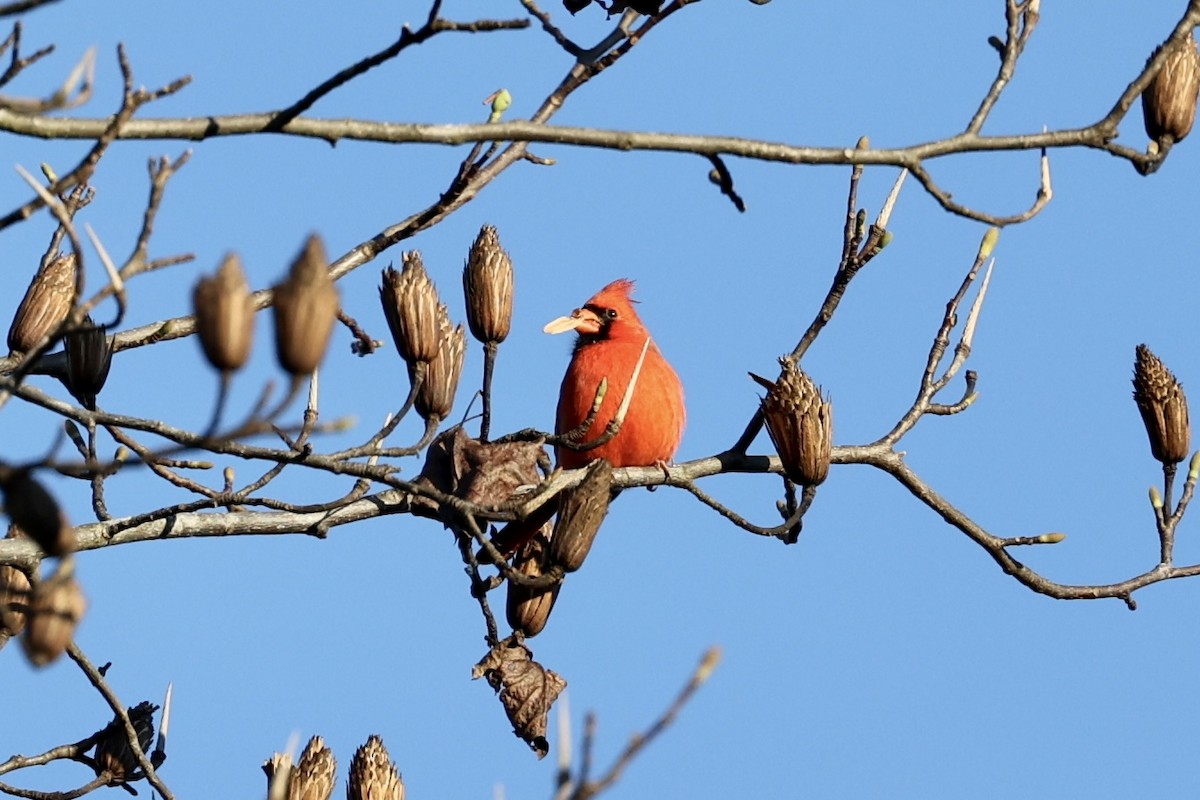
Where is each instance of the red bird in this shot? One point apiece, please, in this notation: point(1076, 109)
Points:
point(611, 338)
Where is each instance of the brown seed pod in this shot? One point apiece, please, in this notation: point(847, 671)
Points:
point(1163, 406)
point(1169, 102)
point(306, 306)
point(413, 310)
point(14, 595)
point(528, 609)
point(34, 510)
point(113, 753)
point(800, 423)
point(580, 512)
point(435, 398)
point(55, 608)
point(488, 286)
point(46, 304)
point(224, 311)
point(373, 775)
point(313, 777)
point(278, 769)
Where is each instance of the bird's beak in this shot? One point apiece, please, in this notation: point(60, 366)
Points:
point(581, 320)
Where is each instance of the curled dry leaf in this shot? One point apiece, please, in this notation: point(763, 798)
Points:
point(114, 756)
point(89, 353)
point(527, 690)
point(484, 473)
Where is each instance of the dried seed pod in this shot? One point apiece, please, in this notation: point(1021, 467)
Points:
point(114, 756)
point(488, 286)
point(306, 305)
point(46, 304)
point(373, 775)
point(55, 608)
point(1163, 405)
point(89, 356)
point(34, 510)
point(413, 310)
point(528, 609)
point(14, 595)
point(314, 776)
point(435, 398)
point(1169, 102)
point(800, 423)
point(279, 775)
point(580, 512)
point(225, 315)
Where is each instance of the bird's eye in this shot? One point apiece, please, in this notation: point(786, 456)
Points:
point(610, 313)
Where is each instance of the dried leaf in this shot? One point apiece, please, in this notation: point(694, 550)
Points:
point(113, 753)
point(527, 690)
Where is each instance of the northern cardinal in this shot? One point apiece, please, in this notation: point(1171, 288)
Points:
point(611, 338)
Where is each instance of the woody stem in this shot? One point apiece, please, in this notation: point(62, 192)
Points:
point(489, 362)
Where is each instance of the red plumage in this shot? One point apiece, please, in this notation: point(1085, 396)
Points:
point(611, 337)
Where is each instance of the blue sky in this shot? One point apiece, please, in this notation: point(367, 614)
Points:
point(884, 655)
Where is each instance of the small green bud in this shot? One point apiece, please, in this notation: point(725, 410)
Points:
point(886, 239)
point(989, 242)
point(1051, 538)
point(500, 99)
point(1156, 500)
point(1194, 466)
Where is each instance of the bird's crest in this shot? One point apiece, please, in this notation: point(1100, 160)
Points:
point(619, 291)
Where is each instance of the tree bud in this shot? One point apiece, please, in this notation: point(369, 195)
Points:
point(313, 777)
point(46, 304)
point(14, 595)
point(373, 775)
point(35, 512)
point(1163, 406)
point(435, 398)
point(411, 305)
point(55, 608)
point(488, 285)
point(224, 312)
point(580, 512)
point(800, 423)
point(306, 305)
point(1169, 102)
point(528, 609)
